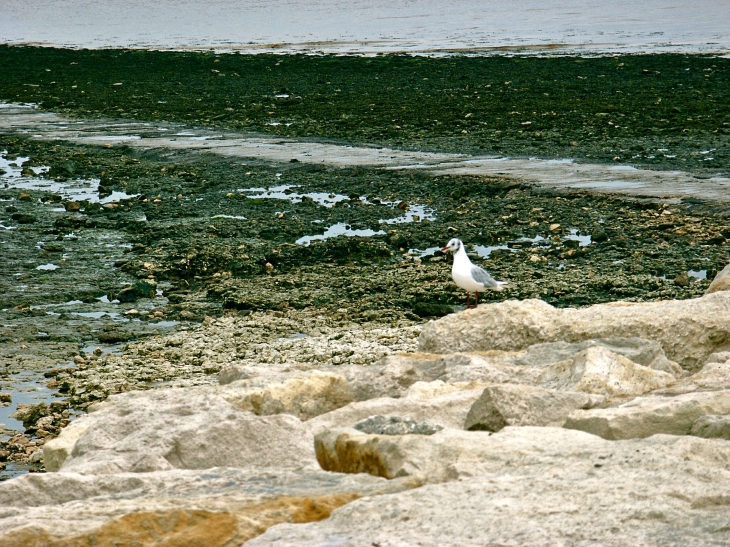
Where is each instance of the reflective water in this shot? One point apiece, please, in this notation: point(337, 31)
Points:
point(374, 26)
point(339, 229)
point(72, 190)
point(411, 212)
point(28, 389)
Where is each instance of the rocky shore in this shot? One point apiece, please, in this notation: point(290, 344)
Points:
point(224, 319)
point(513, 423)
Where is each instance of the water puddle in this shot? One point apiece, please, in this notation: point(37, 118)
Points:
point(285, 192)
point(27, 388)
point(583, 240)
point(339, 229)
point(99, 314)
point(69, 303)
point(430, 251)
point(484, 251)
point(236, 217)
point(412, 212)
point(101, 349)
point(515, 246)
point(165, 324)
point(49, 267)
point(71, 190)
point(697, 274)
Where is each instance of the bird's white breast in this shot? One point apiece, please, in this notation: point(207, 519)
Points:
point(461, 273)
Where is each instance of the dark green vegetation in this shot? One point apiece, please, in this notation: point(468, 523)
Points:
point(662, 111)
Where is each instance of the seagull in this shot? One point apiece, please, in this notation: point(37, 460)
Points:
point(468, 276)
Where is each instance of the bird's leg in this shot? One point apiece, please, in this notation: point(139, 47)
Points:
point(476, 299)
point(467, 300)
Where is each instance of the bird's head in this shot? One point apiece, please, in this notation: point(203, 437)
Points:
point(453, 245)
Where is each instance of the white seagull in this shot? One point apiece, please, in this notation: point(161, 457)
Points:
point(468, 276)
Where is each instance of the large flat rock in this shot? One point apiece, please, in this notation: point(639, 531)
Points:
point(601, 371)
point(645, 416)
point(447, 410)
point(688, 330)
point(393, 375)
point(536, 487)
point(218, 507)
point(449, 454)
point(303, 396)
point(512, 404)
point(192, 428)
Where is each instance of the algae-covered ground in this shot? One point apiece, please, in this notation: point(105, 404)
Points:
point(657, 110)
point(199, 235)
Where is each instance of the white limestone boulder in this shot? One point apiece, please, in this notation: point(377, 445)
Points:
point(533, 487)
point(713, 376)
point(217, 507)
point(447, 410)
point(501, 405)
point(302, 396)
point(650, 415)
point(600, 371)
point(393, 375)
point(57, 450)
point(191, 428)
point(688, 330)
point(721, 282)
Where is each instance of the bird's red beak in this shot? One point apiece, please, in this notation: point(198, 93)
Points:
point(444, 249)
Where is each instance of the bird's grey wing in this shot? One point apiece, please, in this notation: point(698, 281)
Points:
point(481, 276)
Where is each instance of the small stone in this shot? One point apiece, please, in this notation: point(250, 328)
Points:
point(395, 425)
point(79, 360)
point(6, 398)
point(681, 280)
point(72, 206)
point(132, 312)
point(554, 227)
point(24, 196)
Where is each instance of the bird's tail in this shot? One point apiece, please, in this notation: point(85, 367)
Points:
point(500, 285)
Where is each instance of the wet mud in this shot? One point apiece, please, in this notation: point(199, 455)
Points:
point(137, 251)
